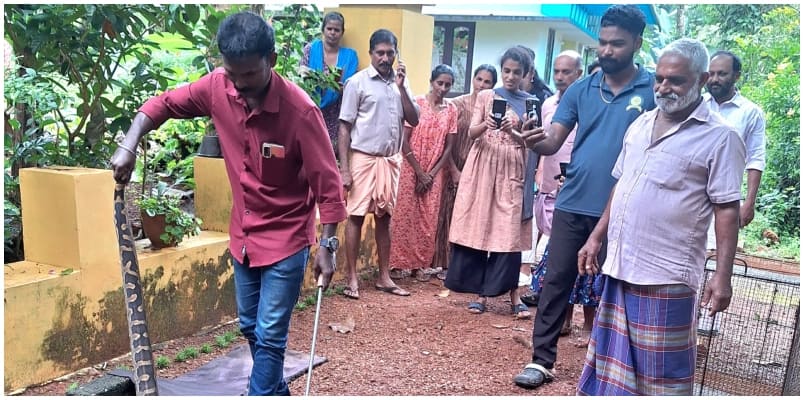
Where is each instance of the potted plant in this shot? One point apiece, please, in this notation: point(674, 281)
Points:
point(164, 222)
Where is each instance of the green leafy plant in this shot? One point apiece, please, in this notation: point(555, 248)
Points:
point(206, 348)
point(178, 222)
point(73, 386)
point(162, 362)
point(186, 354)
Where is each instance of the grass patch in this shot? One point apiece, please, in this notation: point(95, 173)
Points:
point(73, 386)
point(186, 354)
point(162, 362)
point(305, 302)
point(206, 348)
point(227, 338)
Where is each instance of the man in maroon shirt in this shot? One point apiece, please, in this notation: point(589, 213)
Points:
point(280, 164)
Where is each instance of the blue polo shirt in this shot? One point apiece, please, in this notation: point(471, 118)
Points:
point(599, 138)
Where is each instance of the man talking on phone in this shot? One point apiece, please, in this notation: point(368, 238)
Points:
point(280, 165)
point(602, 106)
point(375, 102)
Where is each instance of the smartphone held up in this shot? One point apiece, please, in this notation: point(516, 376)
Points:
point(498, 107)
point(534, 110)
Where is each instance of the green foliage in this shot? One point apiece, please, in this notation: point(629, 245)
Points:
point(186, 354)
point(221, 341)
point(162, 362)
point(294, 27)
point(773, 54)
point(206, 348)
point(73, 386)
point(178, 222)
point(767, 38)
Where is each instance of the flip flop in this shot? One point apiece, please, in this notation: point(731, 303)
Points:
point(476, 307)
point(350, 293)
point(520, 311)
point(396, 290)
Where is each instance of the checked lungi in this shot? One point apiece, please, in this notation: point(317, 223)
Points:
point(643, 341)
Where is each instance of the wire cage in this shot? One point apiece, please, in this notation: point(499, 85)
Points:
point(752, 348)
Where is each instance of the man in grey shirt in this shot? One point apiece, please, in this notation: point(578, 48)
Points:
point(375, 102)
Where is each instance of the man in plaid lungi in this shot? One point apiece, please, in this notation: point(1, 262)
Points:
point(680, 164)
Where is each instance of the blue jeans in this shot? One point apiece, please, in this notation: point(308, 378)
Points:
point(265, 299)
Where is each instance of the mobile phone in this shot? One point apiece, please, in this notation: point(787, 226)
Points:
point(563, 167)
point(534, 110)
point(498, 110)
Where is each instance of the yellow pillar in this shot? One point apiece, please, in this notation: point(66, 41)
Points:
point(69, 220)
point(413, 30)
point(213, 194)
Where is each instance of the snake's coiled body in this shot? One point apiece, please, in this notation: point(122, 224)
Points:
point(144, 372)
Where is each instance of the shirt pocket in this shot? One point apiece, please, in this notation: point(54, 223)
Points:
point(667, 171)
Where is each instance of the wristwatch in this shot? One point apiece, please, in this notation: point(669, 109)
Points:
point(330, 243)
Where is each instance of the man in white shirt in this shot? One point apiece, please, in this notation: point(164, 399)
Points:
point(749, 120)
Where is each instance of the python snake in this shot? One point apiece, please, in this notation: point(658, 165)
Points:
point(144, 372)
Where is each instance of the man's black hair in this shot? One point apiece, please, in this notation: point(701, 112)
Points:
point(736, 63)
point(243, 35)
point(627, 17)
point(382, 36)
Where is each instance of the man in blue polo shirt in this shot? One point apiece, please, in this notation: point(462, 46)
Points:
point(602, 105)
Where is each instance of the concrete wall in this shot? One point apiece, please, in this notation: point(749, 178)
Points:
point(67, 312)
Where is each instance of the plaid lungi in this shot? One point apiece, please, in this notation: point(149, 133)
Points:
point(643, 341)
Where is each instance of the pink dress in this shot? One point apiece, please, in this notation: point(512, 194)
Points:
point(488, 206)
point(413, 226)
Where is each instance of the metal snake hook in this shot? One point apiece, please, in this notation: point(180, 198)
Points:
point(315, 328)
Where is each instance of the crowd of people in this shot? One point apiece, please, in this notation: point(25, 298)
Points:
point(620, 172)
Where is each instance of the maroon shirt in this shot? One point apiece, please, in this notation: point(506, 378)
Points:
point(273, 211)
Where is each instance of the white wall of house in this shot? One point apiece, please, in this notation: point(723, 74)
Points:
point(492, 38)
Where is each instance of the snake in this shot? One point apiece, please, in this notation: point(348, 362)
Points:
point(142, 356)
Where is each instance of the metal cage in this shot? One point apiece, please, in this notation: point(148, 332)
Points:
point(752, 348)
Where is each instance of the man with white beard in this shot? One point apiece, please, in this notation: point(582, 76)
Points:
point(680, 164)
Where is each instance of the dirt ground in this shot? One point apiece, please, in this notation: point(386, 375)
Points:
point(426, 344)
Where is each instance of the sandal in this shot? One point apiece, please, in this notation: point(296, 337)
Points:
point(396, 273)
point(476, 307)
point(520, 311)
point(350, 293)
point(420, 275)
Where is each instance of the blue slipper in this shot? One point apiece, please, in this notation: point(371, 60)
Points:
point(477, 307)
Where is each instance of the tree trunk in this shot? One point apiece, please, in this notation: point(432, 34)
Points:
point(681, 20)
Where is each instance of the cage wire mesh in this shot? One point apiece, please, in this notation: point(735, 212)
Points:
point(752, 347)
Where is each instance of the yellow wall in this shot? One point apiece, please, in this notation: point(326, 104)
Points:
point(69, 313)
point(413, 30)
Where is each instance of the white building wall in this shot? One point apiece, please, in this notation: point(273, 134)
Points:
point(492, 38)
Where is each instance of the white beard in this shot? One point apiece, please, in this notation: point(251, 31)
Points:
point(672, 103)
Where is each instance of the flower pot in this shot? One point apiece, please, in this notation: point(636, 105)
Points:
point(210, 147)
point(153, 228)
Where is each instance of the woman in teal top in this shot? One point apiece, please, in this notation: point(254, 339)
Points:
point(322, 53)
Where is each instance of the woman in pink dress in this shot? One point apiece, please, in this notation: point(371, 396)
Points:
point(484, 77)
point(490, 227)
point(426, 149)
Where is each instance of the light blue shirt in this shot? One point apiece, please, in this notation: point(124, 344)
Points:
point(602, 120)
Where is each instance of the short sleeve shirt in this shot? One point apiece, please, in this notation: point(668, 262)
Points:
point(665, 196)
point(373, 106)
point(749, 121)
point(602, 119)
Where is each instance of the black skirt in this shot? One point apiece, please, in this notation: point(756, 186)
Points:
point(483, 273)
